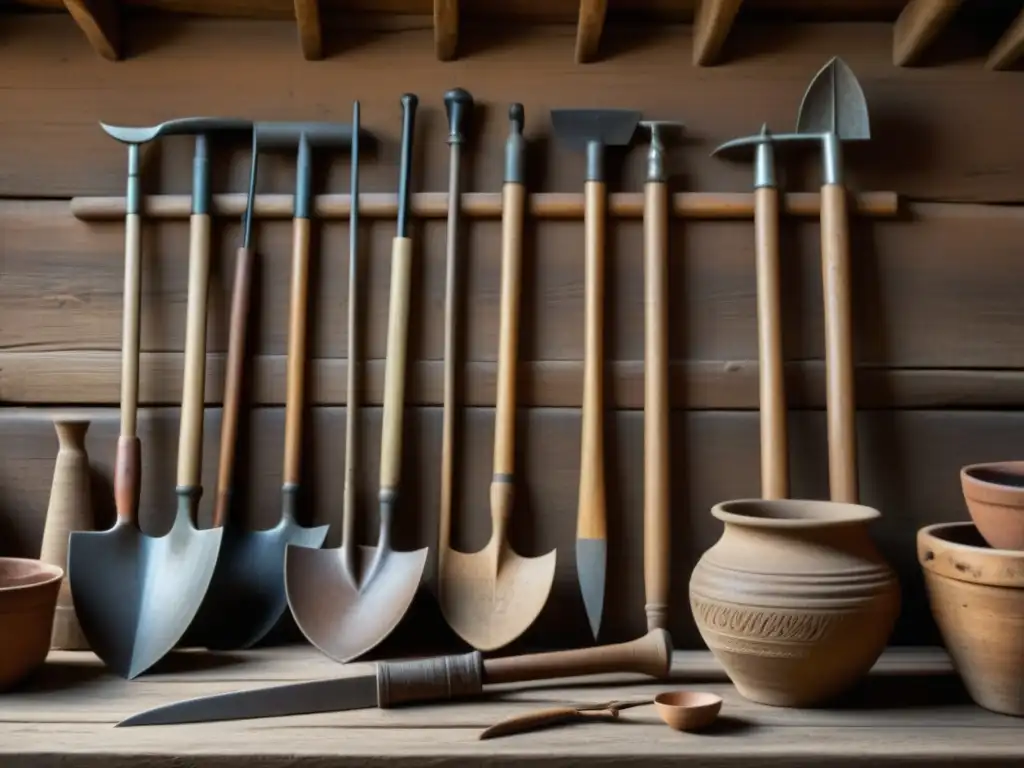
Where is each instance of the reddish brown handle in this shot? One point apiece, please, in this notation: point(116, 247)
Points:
point(532, 721)
point(835, 269)
point(648, 655)
point(127, 476)
point(774, 441)
point(296, 390)
point(240, 299)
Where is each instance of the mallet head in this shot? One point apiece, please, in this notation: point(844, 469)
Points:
point(457, 103)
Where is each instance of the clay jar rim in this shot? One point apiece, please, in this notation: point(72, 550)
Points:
point(802, 513)
point(990, 491)
point(38, 574)
point(940, 552)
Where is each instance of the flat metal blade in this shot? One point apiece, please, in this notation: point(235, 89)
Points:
point(335, 695)
point(591, 562)
point(834, 103)
point(608, 127)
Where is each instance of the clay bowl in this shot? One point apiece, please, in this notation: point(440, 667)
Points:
point(28, 602)
point(977, 598)
point(687, 710)
point(994, 494)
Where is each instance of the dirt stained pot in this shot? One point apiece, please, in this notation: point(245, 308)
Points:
point(794, 600)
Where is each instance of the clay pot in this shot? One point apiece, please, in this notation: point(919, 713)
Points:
point(995, 498)
point(28, 599)
point(794, 600)
point(977, 598)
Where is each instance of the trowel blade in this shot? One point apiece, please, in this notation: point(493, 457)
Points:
point(135, 595)
point(834, 103)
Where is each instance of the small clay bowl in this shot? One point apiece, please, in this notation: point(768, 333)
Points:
point(687, 710)
point(28, 602)
point(994, 493)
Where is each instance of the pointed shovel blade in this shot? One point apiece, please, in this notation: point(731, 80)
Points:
point(834, 103)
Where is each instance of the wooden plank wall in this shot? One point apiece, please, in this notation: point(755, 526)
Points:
point(939, 315)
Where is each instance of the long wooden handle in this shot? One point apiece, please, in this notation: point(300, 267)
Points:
point(508, 339)
point(296, 391)
point(774, 441)
point(835, 268)
point(190, 436)
point(394, 371)
point(241, 295)
point(127, 465)
point(590, 520)
point(657, 536)
point(452, 677)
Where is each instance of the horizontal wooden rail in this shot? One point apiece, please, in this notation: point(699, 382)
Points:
point(93, 378)
point(483, 205)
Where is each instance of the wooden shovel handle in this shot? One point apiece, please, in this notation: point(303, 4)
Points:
point(508, 343)
point(394, 370)
point(190, 435)
point(296, 391)
point(127, 465)
point(774, 441)
point(835, 268)
point(590, 521)
point(656, 406)
point(240, 299)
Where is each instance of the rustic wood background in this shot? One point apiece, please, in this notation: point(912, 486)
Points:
point(939, 315)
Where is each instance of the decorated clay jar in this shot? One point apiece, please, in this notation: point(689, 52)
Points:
point(794, 600)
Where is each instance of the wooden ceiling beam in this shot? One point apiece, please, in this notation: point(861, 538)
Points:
point(917, 26)
point(711, 24)
point(446, 29)
point(589, 29)
point(1010, 46)
point(311, 33)
point(100, 22)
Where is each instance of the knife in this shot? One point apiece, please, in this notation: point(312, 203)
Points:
point(402, 682)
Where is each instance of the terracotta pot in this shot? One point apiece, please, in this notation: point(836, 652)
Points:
point(995, 498)
point(977, 598)
point(794, 599)
point(28, 599)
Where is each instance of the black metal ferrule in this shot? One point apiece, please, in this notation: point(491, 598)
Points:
point(595, 161)
point(656, 160)
point(388, 500)
point(457, 102)
point(515, 147)
point(409, 102)
point(201, 176)
point(133, 195)
point(764, 165)
point(503, 477)
point(188, 500)
point(303, 180)
point(250, 201)
point(289, 501)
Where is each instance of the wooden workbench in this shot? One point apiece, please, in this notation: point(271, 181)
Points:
point(912, 710)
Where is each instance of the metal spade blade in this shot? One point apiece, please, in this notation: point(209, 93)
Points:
point(834, 103)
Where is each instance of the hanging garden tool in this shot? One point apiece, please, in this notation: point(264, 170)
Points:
point(417, 681)
point(833, 110)
point(657, 411)
point(771, 377)
point(492, 596)
point(136, 594)
point(346, 601)
point(592, 130)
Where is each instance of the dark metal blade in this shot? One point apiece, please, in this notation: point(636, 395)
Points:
point(591, 564)
point(834, 103)
point(609, 127)
point(335, 695)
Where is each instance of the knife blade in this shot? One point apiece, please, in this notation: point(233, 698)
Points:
point(401, 682)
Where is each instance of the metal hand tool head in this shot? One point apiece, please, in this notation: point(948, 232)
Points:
point(594, 129)
point(515, 146)
point(275, 134)
point(409, 104)
point(178, 127)
point(457, 103)
point(660, 131)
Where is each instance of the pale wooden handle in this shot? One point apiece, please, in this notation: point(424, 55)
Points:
point(532, 721)
point(774, 441)
point(508, 342)
point(590, 522)
point(835, 267)
point(240, 300)
point(648, 655)
point(190, 435)
point(656, 406)
point(296, 391)
point(394, 370)
point(130, 324)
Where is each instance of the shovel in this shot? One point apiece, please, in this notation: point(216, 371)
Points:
point(492, 596)
point(137, 594)
point(344, 607)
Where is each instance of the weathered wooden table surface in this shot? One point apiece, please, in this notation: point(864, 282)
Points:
point(912, 710)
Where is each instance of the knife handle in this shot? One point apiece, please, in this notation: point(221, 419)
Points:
point(463, 675)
